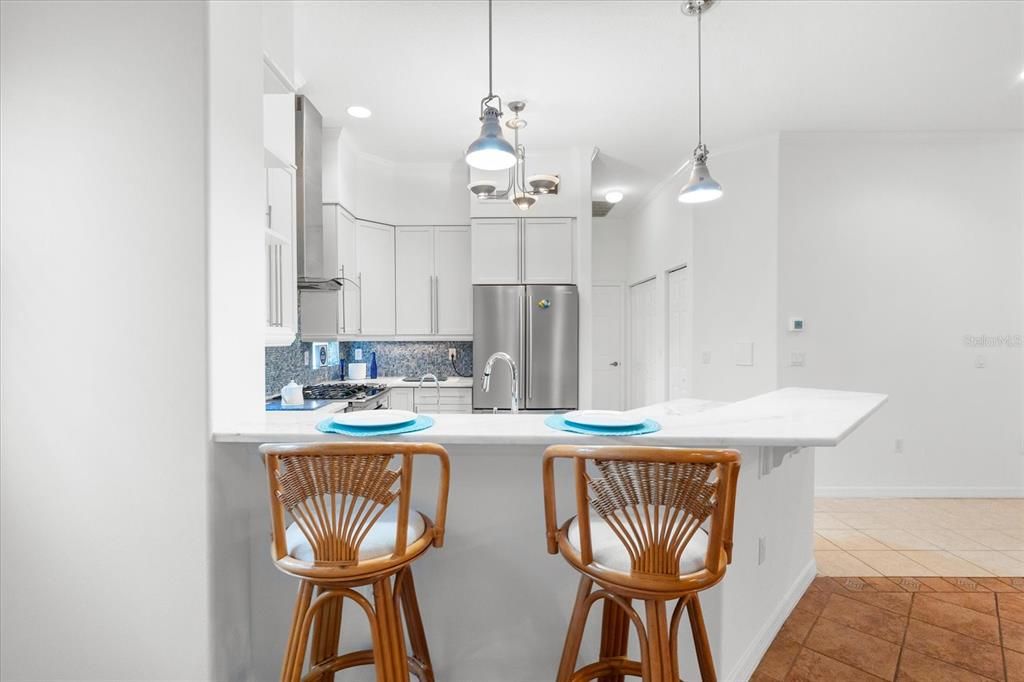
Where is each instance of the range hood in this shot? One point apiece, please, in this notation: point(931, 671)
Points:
point(317, 263)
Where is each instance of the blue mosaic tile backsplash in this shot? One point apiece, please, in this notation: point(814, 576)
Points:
point(413, 358)
point(394, 358)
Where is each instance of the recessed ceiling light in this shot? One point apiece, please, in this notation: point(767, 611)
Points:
point(356, 111)
point(613, 197)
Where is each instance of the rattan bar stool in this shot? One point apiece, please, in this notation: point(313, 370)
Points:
point(639, 533)
point(352, 526)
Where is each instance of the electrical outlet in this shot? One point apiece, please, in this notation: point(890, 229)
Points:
point(705, 357)
point(452, 354)
point(762, 550)
point(797, 359)
point(979, 362)
point(898, 447)
point(319, 356)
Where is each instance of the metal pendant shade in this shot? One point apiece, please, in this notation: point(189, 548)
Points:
point(701, 186)
point(491, 151)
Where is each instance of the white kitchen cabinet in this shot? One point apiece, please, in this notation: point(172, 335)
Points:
point(453, 285)
point(434, 292)
point(523, 251)
point(402, 399)
point(280, 289)
point(444, 400)
point(375, 275)
point(279, 130)
point(329, 315)
point(414, 280)
point(547, 245)
point(495, 251)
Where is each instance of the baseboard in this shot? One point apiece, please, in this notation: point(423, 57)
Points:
point(744, 668)
point(924, 491)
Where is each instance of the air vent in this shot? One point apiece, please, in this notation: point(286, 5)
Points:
point(599, 209)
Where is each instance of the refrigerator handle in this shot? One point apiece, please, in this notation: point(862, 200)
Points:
point(529, 348)
point(519, 335)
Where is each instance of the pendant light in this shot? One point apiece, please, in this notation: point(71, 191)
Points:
point(491, 151)
point(701, 187)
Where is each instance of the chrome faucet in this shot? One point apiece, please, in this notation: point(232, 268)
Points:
point(485, 380)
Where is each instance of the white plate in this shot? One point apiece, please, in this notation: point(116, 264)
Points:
point(374, 418)
point(605, 419)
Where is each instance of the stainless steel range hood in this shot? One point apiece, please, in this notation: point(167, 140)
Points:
point(317, 267)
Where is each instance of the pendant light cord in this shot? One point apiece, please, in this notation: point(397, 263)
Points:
point(700, 121)
point(490, 50)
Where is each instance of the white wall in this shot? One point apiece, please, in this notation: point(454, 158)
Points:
point(237, 192)
point(103, 494)
point(395, 193)
point(610, 250)
point(894, 247)
point(735, 266)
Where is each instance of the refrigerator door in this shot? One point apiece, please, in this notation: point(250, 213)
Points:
point(498, 325)
point(552, 347)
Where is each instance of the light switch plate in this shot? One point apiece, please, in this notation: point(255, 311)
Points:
point(744, 352)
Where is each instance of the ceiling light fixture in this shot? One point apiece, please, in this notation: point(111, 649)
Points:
point(613, 197)
point(522, 190)
point(356, 111)
point(491, 151)
point(701, 187)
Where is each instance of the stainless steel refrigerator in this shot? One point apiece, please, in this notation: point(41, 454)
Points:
point(538, 325)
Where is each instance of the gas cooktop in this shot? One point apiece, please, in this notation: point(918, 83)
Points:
point(337, 390)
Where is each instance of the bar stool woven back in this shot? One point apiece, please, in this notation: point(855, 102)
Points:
point(653, 524)
point(352, 524)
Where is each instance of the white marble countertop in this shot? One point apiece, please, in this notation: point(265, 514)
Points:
point(398, 382)
point(793, 417)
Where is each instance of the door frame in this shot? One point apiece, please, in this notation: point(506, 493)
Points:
point(623, 336)
point(689, 327)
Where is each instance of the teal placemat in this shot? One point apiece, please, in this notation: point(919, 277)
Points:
point(421, 422)
point(557, 422)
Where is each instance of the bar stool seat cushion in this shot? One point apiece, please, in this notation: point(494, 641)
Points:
point(609, 551)
point(379, 541)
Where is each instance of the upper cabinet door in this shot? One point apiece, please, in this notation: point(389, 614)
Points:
point(453, 286)
point(281, 202)
point(279, 130)
point(495, 251)
point(548, 251)
point(348, 302)
point(415, 303)
point(375, 271)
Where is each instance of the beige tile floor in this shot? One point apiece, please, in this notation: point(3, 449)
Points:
point(919, 537)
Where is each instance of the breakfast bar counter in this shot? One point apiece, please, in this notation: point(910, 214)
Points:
point(495, 604)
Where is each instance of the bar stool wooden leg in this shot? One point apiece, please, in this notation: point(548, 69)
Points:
point(573, 638)
point(659, 652)
point(295, 643)
point(411, 610)
point(700, 640)
point(326, 634)
point(391, 658)
point(614, 635)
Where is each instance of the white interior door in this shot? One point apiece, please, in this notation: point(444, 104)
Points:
point(642, 349)
point(608, 357)
point(679, 340)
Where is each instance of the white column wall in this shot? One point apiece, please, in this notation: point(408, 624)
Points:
point(104, 556)
point(894, 247)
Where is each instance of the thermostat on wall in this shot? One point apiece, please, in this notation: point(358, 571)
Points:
point(796, 324)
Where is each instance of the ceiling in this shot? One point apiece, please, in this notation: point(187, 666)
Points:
point(621, 75)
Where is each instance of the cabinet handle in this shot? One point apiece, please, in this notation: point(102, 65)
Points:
point(522, 251)
point(270, 286)
point(270, 220)
point(435, 305)
point(341, 323)
point(280, 286)
point(359, 278)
